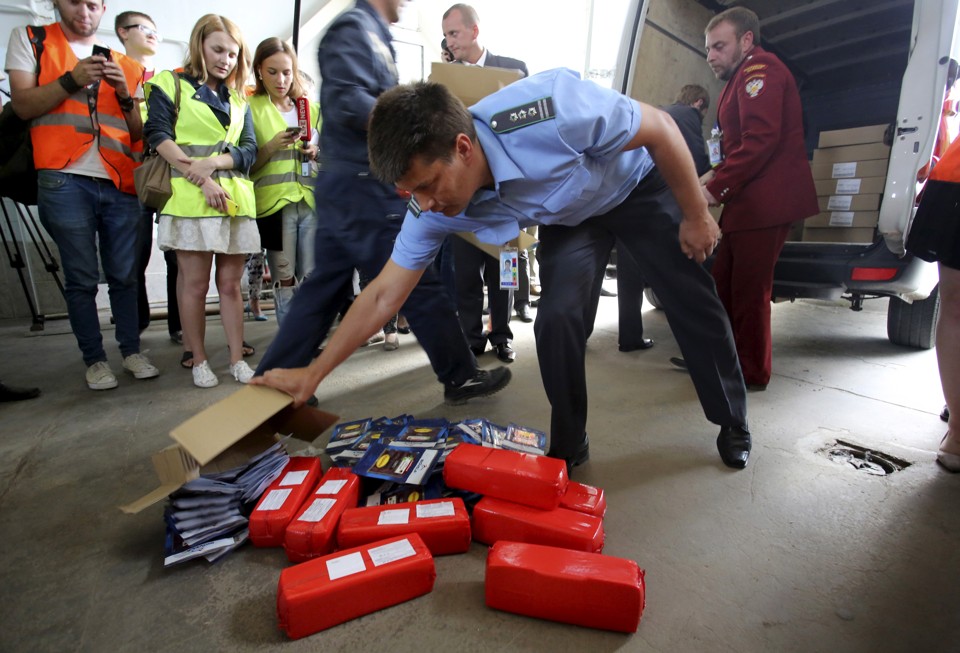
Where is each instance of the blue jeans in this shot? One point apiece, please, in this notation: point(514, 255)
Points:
point(296, 259)
point(77, 211)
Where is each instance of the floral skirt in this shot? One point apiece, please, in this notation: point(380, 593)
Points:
point(221, 235)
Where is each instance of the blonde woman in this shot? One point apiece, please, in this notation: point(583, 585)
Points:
point(283, 173)
point(210, 144)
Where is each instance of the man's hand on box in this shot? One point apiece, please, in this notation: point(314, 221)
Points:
point(295, 382)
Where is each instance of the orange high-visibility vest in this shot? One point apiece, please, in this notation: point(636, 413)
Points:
point(948, 168)
point(68, 130)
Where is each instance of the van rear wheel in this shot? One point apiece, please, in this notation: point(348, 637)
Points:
point(652, 298)
point(914, 325)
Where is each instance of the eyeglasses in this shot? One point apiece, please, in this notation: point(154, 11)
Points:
point(147, 31)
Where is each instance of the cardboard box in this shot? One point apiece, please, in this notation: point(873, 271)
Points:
point(227, 435)
point(869, 202)
point(472, 83)
point(853, 186)
point(854, 136)
point(850, 169)
point(843, 219)
point(574, 587)
point(523, 241)
point(861, 235)
point(852, 153)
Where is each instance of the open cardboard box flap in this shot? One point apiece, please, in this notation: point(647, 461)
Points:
point(472, 83)
point(227, 435)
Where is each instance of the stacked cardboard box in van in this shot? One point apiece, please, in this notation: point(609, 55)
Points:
point(849, 172)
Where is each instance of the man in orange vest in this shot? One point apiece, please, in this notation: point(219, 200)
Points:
point(84, 123)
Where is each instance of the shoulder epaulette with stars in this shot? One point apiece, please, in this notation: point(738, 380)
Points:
point(523, 116)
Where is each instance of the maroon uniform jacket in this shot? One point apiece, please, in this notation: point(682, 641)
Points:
point(765, 179)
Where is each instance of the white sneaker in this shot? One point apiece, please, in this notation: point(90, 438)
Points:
point(203, 376)
point(241, 371)
point(101, 377)
point(391, 342)
point(140, 366)
point(375, 339)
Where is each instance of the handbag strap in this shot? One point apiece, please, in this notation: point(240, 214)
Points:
point(176, 101)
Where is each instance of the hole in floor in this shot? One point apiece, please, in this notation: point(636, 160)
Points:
point(862, 459)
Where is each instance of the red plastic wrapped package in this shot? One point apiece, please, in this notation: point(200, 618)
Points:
point(282, 499)
point(312, 531)
point(442, 524)
point(341, 586)
point(574, 587)
point(584, 498)
point(532, 480)
point(495, 520)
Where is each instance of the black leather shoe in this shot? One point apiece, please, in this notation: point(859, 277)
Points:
point(582, 455)
point(645, 343)
point(945, 415)
point(535, 303)
point(678, 362)
point(734, 443)
point(505, 352)
point(523, 312)
point(482, 384)
point(10, 393)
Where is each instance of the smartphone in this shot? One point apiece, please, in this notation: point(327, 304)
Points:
point(103, 51)
point(232, 208)
point(293, 130)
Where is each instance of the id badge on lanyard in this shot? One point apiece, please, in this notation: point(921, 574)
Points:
point(509, 276)
point(715, 147)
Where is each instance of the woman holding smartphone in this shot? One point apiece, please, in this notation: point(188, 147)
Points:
point(283, 173)
point(210, 144)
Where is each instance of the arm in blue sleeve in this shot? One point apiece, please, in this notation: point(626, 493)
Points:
point(347, 66)
point(594, 120)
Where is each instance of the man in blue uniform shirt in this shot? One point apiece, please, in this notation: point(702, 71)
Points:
point(578, 160)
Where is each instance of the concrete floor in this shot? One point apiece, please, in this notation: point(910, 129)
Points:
point(796, 553)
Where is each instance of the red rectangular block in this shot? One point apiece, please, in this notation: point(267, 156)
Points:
point(495, 520)
point(584, 498)
point(574, 587)
point(442, 524)
point(312, 532)
point(282, 499)
point(537, 481)
point(341, 586)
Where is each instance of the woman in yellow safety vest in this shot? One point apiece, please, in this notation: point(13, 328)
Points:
point(210, 144)
point(283, 173)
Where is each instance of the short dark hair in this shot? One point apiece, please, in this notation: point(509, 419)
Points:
point(419, 120)
point(468, 13)
point(124, 17)
point(691, 93)
point(742, 19)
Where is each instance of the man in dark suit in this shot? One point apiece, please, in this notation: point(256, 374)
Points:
point(472, 267)
point(763, 181)
point(688, 111)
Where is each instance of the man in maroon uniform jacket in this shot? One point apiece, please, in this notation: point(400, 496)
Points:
point(764, 180)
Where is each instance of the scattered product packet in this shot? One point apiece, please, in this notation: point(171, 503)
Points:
point(390, 493)
point(391, 462)
point(346, 433)
point(424, 433)
point(525, 439)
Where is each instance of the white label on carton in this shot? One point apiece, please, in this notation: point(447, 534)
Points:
point(294, 478)
point(317, 510)
point(345, 566)
point(841, 219)
point(848, 186)
point(274, 500)
point(331, 487)
point(427, 510)
point(844, 170)
point(381, 555)
point(839, 202)
point(423, 465)
point(394, 517)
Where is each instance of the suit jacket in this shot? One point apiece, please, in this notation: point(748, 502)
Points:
point(764, 179)
point(496, 61)
point(690, 122)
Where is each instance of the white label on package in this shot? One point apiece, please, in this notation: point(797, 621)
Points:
point(346, 566)
point(416, 477)
point(848, 186)
point(331, 487)
point(294, 478)
point(839, 202)
point(394, 517)
point(317, 510)
point(381, 555)
point(427, 510)
point(845, 170)
point(274, 500)
point(841, 219)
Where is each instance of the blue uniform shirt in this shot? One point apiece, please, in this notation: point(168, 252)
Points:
point(561, 170)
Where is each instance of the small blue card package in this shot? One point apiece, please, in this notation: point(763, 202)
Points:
point(471, 430)
point(400, 464)
point(389, 493)
point(527, 440)
point(383, 434)
point(493, 435)
point(424, 433)
point(346, 433)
